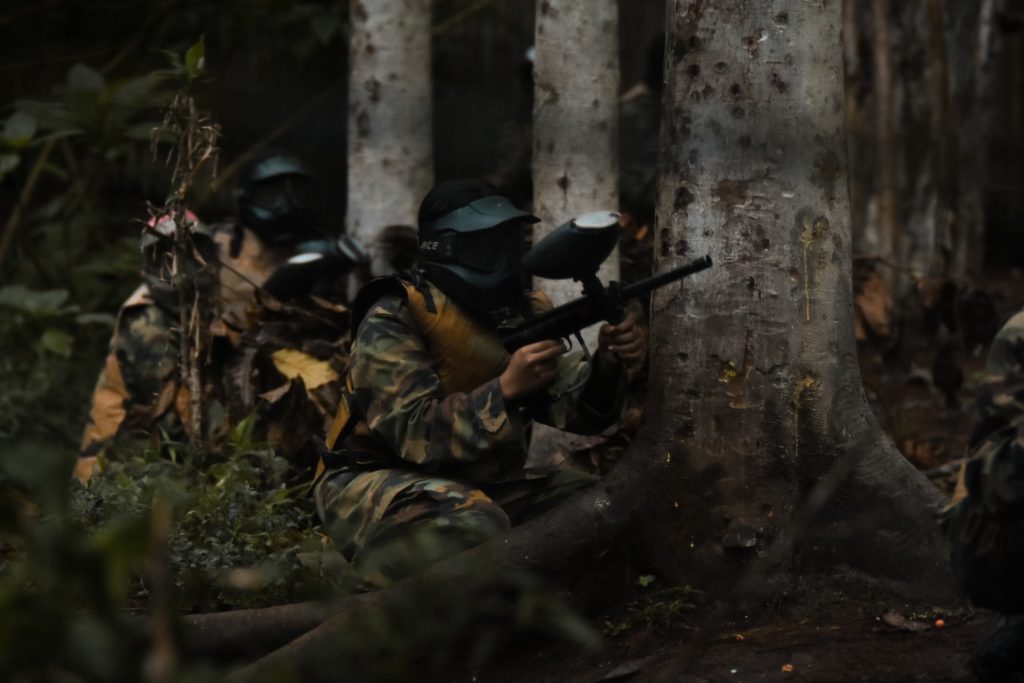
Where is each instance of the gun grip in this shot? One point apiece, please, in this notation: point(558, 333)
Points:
point(583, 345)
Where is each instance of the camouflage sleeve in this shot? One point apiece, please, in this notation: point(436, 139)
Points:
point(147, 351)
point(581, 401)
point(140, 361)
point(995, 474)
point(1001, 388)
point(400, 395)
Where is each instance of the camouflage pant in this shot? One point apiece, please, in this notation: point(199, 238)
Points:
point(393, 522)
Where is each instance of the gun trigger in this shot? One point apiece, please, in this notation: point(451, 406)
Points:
point(583, 345)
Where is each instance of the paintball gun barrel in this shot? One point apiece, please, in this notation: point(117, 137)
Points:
point(575, 250)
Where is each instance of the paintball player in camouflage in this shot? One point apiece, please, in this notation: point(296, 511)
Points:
point(985, 526)
point(432, 431)
point(139, 389)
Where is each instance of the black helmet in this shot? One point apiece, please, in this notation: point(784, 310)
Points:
point(471, 241)
point(276, 196)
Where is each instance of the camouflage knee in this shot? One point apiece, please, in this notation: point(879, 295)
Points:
point(392, 523)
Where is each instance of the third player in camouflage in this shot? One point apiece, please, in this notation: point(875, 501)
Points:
point(986, 527)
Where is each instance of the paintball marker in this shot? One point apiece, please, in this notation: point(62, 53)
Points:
point(576, 250)
point(315, 265)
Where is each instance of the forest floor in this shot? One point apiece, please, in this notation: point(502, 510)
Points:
point(850, 640)
point(920, 377)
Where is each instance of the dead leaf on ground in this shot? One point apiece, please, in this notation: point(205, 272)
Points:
point(293, 363)
point(897, 620)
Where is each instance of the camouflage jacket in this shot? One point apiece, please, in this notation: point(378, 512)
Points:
point(137, 387)
point(995, 472)
point(408, 419)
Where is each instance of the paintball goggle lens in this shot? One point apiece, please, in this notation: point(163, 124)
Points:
point(282, 193)
point(492, 251)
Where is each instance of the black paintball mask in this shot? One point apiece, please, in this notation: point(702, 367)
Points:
point(277, 196)
point(473, 253)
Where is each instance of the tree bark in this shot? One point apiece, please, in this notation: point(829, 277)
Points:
point(753, 368)
point(978, 41)
point(887, 192)
point(575, 148)
point(576, 89)
point(390, 158)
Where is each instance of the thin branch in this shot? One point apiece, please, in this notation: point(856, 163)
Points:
point(14, 221)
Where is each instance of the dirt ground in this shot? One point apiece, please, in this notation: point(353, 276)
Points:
point(920, 375)
point(852, 639)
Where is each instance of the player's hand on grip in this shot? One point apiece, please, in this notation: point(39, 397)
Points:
point(625, 343)
point(531, 369)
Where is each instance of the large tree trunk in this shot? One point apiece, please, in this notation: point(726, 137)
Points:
point(390, 162)
point(754, 371)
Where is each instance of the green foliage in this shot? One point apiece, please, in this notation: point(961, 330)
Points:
point(72, 558)
point(657, 609)
point(41, 381)
point(239, 537)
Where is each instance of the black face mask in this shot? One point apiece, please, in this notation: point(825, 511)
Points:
point(492, 251)
point(281, 209)
point(492, 301)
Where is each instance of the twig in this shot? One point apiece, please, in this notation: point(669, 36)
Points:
point(13, 222)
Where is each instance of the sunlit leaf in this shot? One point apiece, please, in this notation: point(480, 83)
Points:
point(195, 58)
point(82, 77)
point(19, 128)
point(22, 298)
point(8, 162)
point(58, 342)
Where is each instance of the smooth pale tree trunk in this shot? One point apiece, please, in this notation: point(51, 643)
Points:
point(754, 369)
point(575, 114)
point(390, 158)
point(576, 89)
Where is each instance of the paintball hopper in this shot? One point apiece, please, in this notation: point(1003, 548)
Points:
point(576, 249)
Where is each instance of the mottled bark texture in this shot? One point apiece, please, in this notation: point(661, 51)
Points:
point(390, 161)
point(575, 115)
point(576, 90)
point(756, 395)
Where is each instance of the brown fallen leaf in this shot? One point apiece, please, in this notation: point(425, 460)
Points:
point(293, 363)
point(897, 620)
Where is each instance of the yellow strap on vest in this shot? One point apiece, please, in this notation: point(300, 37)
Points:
point(341, 417)
point(465, 353)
